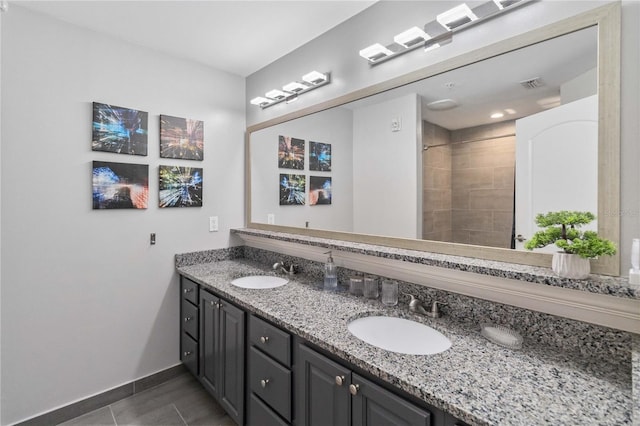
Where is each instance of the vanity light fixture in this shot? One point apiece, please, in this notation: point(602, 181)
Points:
point(259, 100)
point(294, 87)
point(410, 37)
point(440, 31)
point(291, 91)
point(497, 115)
point(275, 94)
point(456, 17)
point(375, 52)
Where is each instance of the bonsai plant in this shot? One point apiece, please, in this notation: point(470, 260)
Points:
point(563, 229)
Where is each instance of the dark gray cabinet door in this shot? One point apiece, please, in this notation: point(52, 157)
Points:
point(231, 360)
point(209, 317)
point(322, 390)
point(374, 406)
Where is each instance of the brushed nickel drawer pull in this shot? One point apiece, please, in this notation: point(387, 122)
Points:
point(264, 339)
point(187, 319)
point(264, 382)
point(339, 380)
point(188, 290)
point(187, 353)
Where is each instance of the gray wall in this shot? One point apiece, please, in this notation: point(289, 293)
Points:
point(337, 51)
point(87, 303)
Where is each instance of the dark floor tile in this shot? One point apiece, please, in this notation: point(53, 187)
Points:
point(99, 417)
point(198, 408)
point(162, 416)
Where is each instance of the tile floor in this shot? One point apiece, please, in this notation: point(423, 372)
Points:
point(180, 401)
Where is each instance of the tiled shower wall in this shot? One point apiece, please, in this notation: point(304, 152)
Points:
point(474, 167)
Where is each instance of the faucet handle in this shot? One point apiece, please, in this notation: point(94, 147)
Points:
point(435, 312)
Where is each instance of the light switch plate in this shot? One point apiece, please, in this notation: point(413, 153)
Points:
point(213, 223)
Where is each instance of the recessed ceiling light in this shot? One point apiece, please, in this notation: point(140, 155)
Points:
point(411, 37)
point(510, 111)
point(375, 52)
point(497, 115)
point(442, 105)
point(456, 17)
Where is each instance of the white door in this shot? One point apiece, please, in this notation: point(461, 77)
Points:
point(556, 164)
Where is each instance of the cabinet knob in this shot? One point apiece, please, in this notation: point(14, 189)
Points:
point(188, 290)
point(264, 382)
point(187, 319)
point(212, 303)
point(264, 339)
point(353, 389)
point(339, 380)
point(187, 353)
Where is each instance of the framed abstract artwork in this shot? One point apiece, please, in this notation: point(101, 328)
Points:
point(119, 130)
point(290, 153)
point(181, 138)
point(319, 157)
point(319, 190)
point(120, 185)
point(180, 186)
point(292, 190)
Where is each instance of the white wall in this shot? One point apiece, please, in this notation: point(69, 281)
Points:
point(385, 169)
point(337, 51)
point(583, 85)
point(87, 303)
point(334, 127)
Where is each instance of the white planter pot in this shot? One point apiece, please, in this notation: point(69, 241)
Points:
point(570, 266)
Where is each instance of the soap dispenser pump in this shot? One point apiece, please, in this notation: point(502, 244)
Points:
point(330, 273)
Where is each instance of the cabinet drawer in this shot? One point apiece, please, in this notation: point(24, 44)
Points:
point(189, 319)
point(189, 353)
point(190, 290)
point(271, 382)
point(270, 339)
point(260, 414)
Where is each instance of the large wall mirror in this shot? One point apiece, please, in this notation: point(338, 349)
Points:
point(459, 157)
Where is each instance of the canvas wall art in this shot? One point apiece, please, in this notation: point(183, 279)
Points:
point(180, 186)
point(290, 153)
point(319, 156)
point(292, 190)
point(319, 190)
point(120, 185)
point(181, 138)
point(119, 130)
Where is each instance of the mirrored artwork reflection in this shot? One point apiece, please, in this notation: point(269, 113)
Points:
point(319, 156)
point(290, 153)
point(292, 190)
point(181, 138)
point(120, 130)
point(180, 186)
point(319, 190)
point(120, 185)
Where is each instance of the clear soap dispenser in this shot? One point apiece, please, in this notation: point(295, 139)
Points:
point(330, 274)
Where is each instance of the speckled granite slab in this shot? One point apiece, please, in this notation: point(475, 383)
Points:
point(475, 380)
point(615, 286)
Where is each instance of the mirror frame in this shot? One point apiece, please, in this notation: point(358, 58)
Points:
point(608, 19)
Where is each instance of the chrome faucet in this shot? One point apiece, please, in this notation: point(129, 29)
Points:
point(416, 306)
point(279, 266)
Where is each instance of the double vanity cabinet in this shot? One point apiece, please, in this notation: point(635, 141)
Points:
point(263, 375)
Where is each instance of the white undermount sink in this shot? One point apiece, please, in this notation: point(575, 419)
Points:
point(399, 335)
point(259, 281)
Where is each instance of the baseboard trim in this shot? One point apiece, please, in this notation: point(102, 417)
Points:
point(110, 396)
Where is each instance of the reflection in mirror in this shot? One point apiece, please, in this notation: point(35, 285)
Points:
point(468, 156)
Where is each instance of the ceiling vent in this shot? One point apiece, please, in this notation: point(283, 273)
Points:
point(532, 83)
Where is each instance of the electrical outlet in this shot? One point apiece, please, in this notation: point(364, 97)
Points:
point(213, 223)
point(271, 219)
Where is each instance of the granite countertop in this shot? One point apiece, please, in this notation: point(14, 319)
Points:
point(601, 284)
point(475, 380)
